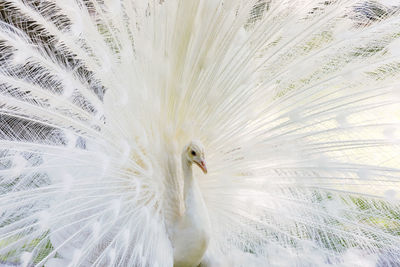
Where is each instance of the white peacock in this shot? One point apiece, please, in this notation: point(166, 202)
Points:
point(295, 104)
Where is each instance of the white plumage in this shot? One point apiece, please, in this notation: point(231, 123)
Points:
point(295, 102)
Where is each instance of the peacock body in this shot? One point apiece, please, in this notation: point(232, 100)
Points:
point(295, 104)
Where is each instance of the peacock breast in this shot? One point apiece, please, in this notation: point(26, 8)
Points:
point(190, 242)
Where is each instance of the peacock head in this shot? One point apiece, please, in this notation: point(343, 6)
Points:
point(195, 154)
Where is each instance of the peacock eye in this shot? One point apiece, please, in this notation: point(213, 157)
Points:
point(193, 153)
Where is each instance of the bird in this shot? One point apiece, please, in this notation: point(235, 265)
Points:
point(199, 133)
point(191, 233)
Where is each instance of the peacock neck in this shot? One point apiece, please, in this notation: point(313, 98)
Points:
point(191, 192)
point(190, 185)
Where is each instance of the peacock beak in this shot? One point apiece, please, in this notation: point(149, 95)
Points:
point(202, 166)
